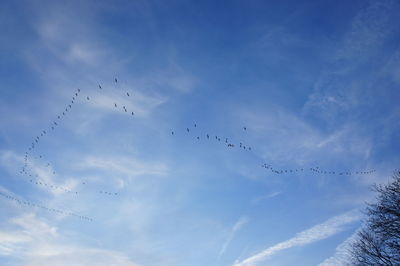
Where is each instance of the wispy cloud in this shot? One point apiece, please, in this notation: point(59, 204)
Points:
point(123, 165)
point(238, 225)
point(12, 162)
point(341, 255)
point(36, 242)
point(316, 233)
point(267, 196)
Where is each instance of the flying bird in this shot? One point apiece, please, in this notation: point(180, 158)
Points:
point(99, 86)
point(115, 80)
point(127, 93)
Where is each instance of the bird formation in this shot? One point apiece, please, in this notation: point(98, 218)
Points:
point(37, 180)
point(226, 142)
point(53, 126)
point(28, 203)
point(315, 170)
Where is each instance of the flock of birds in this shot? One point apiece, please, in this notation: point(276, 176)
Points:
point(315, 170)
point(31, 204)
point(35, 178)
point(226, 141)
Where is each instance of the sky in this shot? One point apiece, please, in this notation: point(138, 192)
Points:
point(187, 133)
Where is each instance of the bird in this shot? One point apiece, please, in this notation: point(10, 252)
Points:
point(132, 113)
point(99, 86)
point(87, 98)
point(245, 128)
point(79, 90)
point(187, 129)
point(127, 93)
point(76, 94)
point(172, 132)
point(195, 125)
point(115, 80)
point(115, 104)
point(198, 137)
point(208, 136)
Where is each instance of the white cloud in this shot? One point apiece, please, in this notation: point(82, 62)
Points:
point(316, 233)
point(40, 172)
point(369, 28)
point(341, 256)
point(139, 103)
point(238, 225)
point(267, 196)
point(34, 242)
point(123, 165)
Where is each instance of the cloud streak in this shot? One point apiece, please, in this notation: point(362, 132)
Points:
point(238, 225)
point(316, 233)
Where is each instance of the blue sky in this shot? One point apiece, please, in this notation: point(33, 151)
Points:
point(315, 84)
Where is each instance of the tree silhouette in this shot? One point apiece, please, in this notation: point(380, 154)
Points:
point(378, 242)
